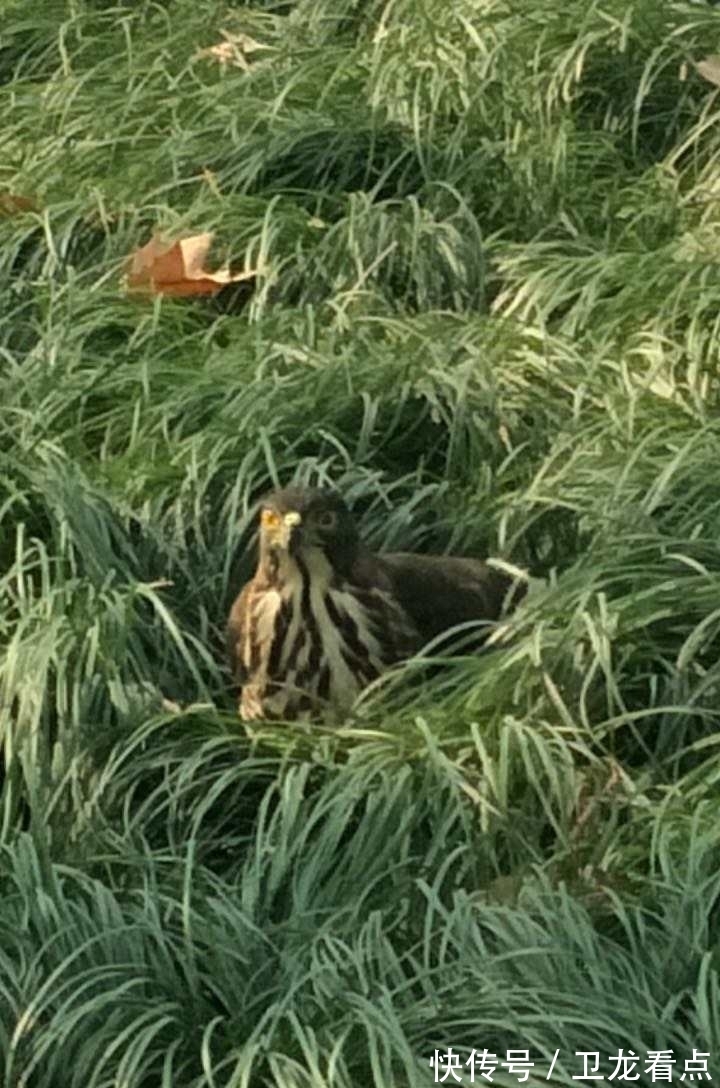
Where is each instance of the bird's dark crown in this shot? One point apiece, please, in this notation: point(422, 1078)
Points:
point(306, 500)
point(324, 522)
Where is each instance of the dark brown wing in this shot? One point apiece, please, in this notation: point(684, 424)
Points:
point(236, 631)
point(439, 592)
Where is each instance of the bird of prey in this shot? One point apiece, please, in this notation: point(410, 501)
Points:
point(323, 616)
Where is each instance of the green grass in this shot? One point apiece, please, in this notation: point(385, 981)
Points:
point(486, 309)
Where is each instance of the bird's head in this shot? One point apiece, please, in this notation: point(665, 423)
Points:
point(304, 522)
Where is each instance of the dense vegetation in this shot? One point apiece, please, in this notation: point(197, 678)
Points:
point(487, 236)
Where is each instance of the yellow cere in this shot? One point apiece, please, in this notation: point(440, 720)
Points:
point(270, 520)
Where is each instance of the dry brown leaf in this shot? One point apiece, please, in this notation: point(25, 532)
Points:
point(246, 43)
point(14, 204)
point(233, 50)
point(709, 68)
point(178, 268)
point(223, 52)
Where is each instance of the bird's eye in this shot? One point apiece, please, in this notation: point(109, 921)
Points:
point(326, 519)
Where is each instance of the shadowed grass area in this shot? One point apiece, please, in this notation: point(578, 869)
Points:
point(486, 309)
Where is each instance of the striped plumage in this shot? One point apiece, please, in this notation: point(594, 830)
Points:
point(322, 617)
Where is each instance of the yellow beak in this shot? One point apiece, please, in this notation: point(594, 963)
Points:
point(278, 528)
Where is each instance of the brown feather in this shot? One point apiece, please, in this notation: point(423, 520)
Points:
point(238, 618)
point(439, 591)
